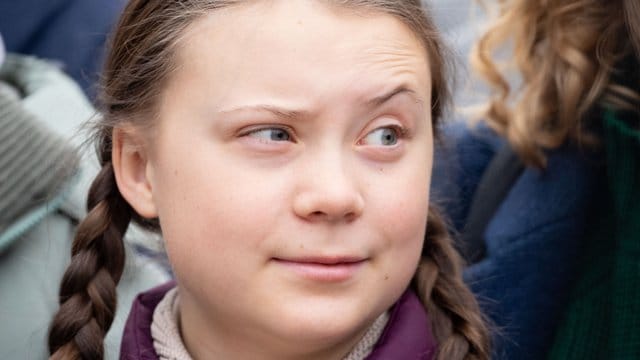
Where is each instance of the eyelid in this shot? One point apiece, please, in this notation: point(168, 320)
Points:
point(255, 128)
point(247, 131)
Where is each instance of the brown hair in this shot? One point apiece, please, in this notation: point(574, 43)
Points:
point(137, 67)
point(568, 53)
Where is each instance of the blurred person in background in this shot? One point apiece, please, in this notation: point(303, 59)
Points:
point(43, 186)
point(546, 187)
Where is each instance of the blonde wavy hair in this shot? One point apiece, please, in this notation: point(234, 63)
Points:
point(569, 54)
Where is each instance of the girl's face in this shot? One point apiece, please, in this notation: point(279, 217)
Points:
point(290, 170)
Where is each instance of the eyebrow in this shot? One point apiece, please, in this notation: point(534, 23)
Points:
point(402, 89)
point(275, 110)
point(297, 114)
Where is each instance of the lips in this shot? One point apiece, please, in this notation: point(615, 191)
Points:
point(323, 269)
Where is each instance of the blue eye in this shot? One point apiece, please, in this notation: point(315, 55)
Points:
point(271, 134)
point(385, 136)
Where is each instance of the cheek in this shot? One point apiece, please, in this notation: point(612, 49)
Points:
point(407, 191)
point(405, 221)
point(214, 210)
point(403, 216)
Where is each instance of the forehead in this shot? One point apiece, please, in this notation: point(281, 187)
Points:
point(298, 48)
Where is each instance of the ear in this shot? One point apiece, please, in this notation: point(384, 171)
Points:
point(132, 170)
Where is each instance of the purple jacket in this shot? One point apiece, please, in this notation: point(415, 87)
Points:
point(407, 335)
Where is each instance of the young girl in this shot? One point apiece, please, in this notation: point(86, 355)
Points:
point(284, 149)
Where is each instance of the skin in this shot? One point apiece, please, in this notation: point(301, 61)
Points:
point(290, 131)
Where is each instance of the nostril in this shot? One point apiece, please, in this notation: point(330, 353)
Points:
point(321, 215)
point(350, 216)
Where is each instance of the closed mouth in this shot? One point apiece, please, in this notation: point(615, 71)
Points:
point(323, 260)
point(323, 269)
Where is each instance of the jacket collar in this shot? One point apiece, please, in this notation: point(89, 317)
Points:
point(407, 335)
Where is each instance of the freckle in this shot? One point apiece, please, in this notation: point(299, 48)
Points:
point(301, 246)
point(381, 170)
point(386, 277)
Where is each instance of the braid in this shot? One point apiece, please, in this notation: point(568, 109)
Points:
point(88, 289)
point(457, 323)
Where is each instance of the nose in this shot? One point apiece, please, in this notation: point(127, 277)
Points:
point(328, 191)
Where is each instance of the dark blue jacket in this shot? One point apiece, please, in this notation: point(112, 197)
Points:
point(70, 31)
point(532, 241)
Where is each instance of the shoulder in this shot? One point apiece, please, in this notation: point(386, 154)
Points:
point(30, 274)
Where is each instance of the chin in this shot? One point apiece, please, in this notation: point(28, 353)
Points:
point(319, 323)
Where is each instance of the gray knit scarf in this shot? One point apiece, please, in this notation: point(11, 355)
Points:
point(167, 341)
point(34, 161)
